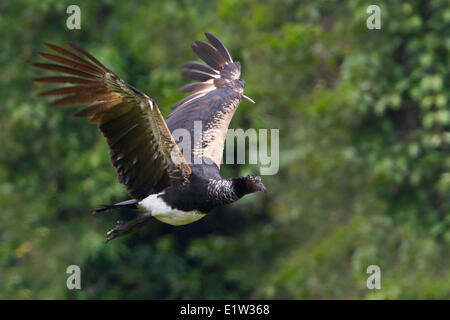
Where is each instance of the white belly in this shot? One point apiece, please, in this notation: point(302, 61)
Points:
point(165, 213)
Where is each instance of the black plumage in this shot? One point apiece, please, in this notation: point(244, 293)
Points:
point(164, 183)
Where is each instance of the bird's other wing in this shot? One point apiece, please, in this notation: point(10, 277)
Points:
point(213, 102)
point(143, 150)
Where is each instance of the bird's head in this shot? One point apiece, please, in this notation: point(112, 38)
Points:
point(242, 83)
point(254, 184)
point(231, 78)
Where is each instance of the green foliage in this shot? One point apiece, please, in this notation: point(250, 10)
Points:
point(364, 160)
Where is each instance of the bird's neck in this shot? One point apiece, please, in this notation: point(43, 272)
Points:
point(226, 191)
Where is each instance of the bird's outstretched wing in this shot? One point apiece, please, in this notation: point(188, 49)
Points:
point(143, 150)
point(214, 100)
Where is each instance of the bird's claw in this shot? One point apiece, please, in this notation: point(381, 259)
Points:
point(123, 228)
point(112, 234)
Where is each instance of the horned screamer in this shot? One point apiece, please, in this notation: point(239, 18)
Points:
point(148, 161)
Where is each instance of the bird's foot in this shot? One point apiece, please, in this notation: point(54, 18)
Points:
point(123, 228)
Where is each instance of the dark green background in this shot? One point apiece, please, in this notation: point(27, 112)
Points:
point(364, 153)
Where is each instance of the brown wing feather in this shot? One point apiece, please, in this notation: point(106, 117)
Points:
point(213, 101)
point(143, 150)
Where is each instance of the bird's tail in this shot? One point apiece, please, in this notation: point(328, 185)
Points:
point(129, 203)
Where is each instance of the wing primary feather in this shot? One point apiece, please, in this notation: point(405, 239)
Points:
point(64, 52)
point(71, 63)
point(211, 52)
point(68, 90)
point(205, 57)
point(72, 80)
point(89, 56)
point(200, 66)
point(197, 75)
point(56, 67)
point(79, 99)
point(219, 46)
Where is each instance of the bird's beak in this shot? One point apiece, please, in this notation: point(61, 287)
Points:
point(263, 188)
point(247, 98)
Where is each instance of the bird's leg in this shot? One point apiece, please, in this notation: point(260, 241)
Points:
point(123, 228)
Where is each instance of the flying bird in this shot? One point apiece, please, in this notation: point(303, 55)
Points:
point(162, 183)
